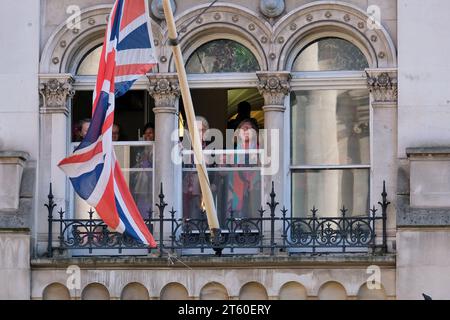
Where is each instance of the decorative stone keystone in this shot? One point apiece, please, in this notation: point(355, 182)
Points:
point(157, 8)
point(272, 8)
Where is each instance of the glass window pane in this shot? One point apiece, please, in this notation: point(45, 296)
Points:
point(330, 127)
point(89, 64)
point(222, 56)
point(329, 190)
point(330, 54)
point(238, 190)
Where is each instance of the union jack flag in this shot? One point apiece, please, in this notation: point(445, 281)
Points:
point(93, 169)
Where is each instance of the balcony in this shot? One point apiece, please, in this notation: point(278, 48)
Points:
point(271, 231)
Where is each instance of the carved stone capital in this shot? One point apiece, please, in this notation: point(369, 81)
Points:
point(382, 85)
point(55, 90)
point(272, 8)
point(165, 89)
point(274, 87)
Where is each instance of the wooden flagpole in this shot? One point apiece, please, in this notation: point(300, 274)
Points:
point(211, 213)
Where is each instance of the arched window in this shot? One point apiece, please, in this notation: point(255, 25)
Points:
point(89, 64)
point(219, 73)
point(222, 56)
point(330, 54)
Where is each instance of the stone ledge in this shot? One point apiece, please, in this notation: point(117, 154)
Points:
point(20, 219)
point(251, 262)
point(420, 217)
point(428, 151)
point(15, 154)
point(12, 165)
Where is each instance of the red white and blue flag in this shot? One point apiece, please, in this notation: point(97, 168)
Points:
point(93, 169)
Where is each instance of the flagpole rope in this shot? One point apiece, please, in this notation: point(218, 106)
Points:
point(198, 16)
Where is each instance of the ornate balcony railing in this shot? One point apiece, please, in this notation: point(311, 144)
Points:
point(270, 231)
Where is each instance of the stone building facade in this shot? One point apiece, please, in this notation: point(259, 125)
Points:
point(396, 71)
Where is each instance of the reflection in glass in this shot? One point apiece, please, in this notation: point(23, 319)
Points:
point(222, 56)
point(136, 161)
point(235, 179)
point(89, 64)
point(236, 189)
point(330, 127)
point(329, 190)
point(330, 54)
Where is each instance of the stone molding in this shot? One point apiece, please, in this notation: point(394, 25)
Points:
point(12, 166)
point(55, 90)
point(383, 85)
point(165, 90)
point(274, 87)
point(275, 45)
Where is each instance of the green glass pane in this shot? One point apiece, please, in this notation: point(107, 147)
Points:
point(222, 56)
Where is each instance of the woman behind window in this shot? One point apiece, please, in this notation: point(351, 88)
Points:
point(244, 186)
point(142, 180)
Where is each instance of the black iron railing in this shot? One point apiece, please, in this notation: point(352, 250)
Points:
point(269, 231)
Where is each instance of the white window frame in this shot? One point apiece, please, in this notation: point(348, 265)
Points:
point(116, 143)
point(326, 80)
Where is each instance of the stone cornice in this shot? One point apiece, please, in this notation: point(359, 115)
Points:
point(17, 155)
point(274, 87)
point(409, 217)
point(428, 152)
point(325, 261)
point(382, 84)
point(55, 90)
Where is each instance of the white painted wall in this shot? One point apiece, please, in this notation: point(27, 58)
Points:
point(15, 274)
point(424, 73)
point(19, 35)
point(423, 264)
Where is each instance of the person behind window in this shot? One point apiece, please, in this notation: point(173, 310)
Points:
point(192, 194)
point(80, 129)
point(244, 185)
point(244, 112)
point(142, 180)
point(149, 132)
point(115, 132)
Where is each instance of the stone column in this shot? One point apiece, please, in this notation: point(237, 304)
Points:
point(382, 84)
point(275, 87)
point(56, 92)
point(165, 91)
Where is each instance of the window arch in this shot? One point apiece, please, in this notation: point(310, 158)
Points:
point(330, 54)
point(220, 56)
